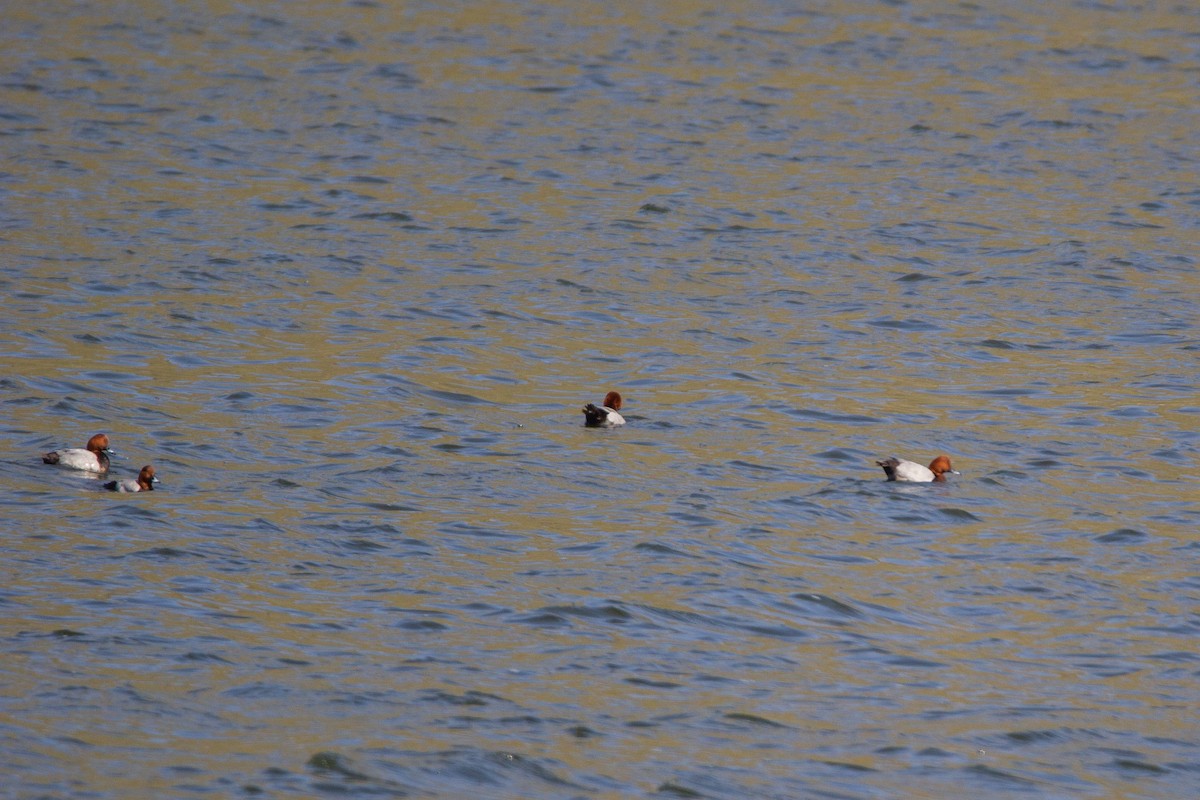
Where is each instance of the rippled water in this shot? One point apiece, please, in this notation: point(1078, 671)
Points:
point(346, 273)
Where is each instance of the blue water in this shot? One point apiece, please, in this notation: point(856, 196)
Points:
point(346, 275)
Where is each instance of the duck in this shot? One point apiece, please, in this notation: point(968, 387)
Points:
point(604, 416)
point(901, 470)
point(144, 483)
point(93, 458)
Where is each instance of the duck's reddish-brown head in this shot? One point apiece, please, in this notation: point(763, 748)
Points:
point(940, 466)
point(146, 479)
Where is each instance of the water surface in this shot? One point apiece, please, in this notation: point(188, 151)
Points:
point(346, 273)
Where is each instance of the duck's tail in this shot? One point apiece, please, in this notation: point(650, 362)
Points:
point(889, 466)
point(593, 415)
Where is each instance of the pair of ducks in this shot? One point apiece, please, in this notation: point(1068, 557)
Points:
point(606, 416)
point(94, 458)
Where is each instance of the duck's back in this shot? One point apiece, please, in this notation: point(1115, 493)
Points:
point(77, 458)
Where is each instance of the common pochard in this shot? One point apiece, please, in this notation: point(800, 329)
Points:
point(93, 459)
point(900, 470)
point(144, 483)
point(605, 416)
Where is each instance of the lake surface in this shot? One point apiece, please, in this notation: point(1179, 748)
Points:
point(346, 273)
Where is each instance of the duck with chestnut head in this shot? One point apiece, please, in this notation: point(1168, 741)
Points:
point(93, 458)
point(897, 469)
point(144, 483)
point(604, 416)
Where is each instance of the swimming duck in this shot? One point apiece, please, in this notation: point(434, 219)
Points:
point(94, 458)
point(144, 483)
point(900, 470)
point(605, 416)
